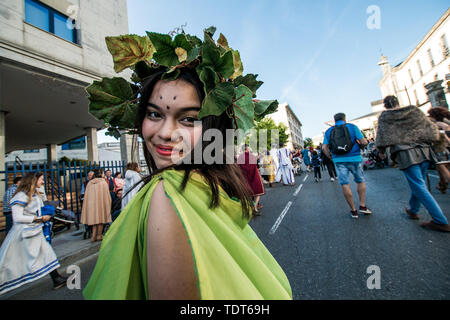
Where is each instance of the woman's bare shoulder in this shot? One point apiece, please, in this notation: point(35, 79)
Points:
point(169, 257)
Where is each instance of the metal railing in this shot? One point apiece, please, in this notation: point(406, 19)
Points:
point(63, 181)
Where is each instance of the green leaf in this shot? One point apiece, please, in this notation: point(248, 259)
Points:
point(144, 70)
point(169, 52)
point(165, 51)
point(223, 42)
point(113, 132)
point(211, 30)
point(109, 100)
point(244, 109)
point(127, 50)
point(171, 75)
point(249, 81)
point(265, 107)
point(212, 57)
point(181, 41)
point(238, 66)
point(193, 54)
point(129, 115)
point(218, 100)
point(194, 41)
point(208, 77)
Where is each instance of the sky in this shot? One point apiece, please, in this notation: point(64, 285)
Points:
point(318, 56)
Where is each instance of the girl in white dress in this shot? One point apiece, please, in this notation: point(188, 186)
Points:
point(25, 255)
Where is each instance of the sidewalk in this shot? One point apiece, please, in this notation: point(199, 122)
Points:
point(70, 247)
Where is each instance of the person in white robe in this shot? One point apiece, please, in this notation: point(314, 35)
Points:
point(285, 168)
point(25, 254)
point(132, 177)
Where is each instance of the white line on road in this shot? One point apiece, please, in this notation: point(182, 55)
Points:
point(298, 190)
point(305, 178)
point(280, 218)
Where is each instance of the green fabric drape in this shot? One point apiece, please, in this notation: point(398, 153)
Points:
point(230, 261)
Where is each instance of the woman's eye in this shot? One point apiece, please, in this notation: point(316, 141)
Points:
point(189, 120)
point(153, 115)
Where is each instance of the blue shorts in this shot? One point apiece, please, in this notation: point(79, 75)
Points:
point(344, 168)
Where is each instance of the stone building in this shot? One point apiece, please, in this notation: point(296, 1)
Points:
point(421, 79)
point(286, 115)
point(50, 50)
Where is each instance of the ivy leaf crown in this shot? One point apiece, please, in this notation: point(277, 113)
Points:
point(219, 67)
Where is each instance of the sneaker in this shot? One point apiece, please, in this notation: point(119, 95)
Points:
point(354, 214)
point(365, 210)
point(436, 226)
point(411, 215)
point(332, 179)
point(317, 180)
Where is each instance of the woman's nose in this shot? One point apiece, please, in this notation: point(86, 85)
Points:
point(167, 129)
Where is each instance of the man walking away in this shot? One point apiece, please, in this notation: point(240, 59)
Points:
point(410, 134)
point(342, 143)
point(7, 212)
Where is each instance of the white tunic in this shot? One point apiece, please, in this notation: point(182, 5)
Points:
point(25, 255)
point(285, 167)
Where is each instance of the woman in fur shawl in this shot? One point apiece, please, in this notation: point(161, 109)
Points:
point(410, 135)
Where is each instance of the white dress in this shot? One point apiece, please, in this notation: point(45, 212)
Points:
point(25, 255)
point(131, 178)
point(285, 167)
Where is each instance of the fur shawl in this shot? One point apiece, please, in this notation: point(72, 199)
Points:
point(404, 126)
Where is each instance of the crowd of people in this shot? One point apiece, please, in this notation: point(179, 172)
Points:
point(104, 195)
point(26, 253)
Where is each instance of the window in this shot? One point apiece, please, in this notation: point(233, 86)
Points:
point(31, 151)
point(417, 99)
point(75, 144)
point(410, 76)
point(444, 46)
point(430, 56)
point(420, 68)
point(48, 19)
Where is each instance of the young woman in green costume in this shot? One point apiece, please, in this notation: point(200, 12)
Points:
point(185, 235)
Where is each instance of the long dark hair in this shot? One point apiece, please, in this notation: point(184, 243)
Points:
point(227, 176)
point(28, 184)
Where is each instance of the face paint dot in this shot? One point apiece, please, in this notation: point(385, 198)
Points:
point(168, 108)
point(175, 98)
point(160, 97)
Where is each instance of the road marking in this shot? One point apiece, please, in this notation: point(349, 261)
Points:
point(280, 218)
point(298, 190)
point(305, 178)
point(432, 175)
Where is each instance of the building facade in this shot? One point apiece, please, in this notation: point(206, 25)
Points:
point(286, 115)
point(422, 78)
point(50, 50)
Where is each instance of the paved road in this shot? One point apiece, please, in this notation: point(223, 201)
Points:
point(325, 253)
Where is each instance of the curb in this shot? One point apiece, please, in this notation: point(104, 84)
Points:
point(85, 252)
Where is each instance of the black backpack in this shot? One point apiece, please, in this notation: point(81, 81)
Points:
point(340, 140)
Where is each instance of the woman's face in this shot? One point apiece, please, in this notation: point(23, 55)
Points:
point(40, 182)
point(168, 128)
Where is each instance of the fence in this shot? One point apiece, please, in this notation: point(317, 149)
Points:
point(63, 181)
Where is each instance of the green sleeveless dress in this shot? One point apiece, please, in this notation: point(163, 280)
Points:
point(230, 261)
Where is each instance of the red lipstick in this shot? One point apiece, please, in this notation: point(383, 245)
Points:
point(164, 150)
